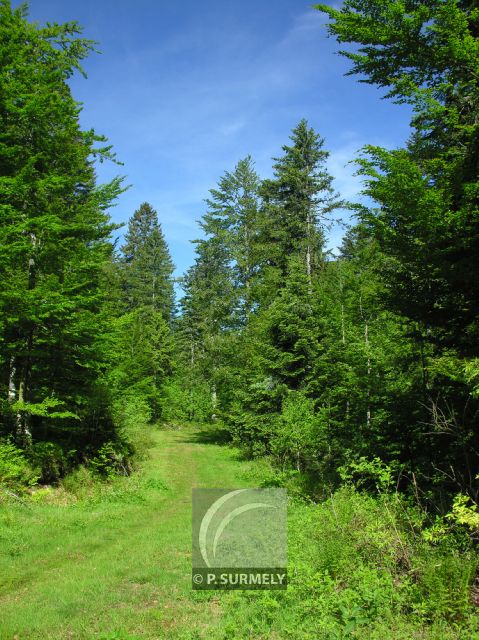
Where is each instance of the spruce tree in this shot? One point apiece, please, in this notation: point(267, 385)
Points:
point(218, 295)
point(297, 202)
point(140, 227)
point(232, 218)
point(148, 268)
point(142, 349)
point(54, 232)
point(426, 55)
point(208, 313)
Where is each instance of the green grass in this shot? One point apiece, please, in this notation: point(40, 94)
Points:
point(115, 564)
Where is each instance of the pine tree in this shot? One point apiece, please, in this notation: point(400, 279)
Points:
point(54, 233)
point(232, 218)
point(148, 268)
point(297, 203)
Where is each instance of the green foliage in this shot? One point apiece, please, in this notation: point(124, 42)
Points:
point(131, 410)
point(43, 409)
point(118, 635)
point(186, 403)
point(113, 459)
point(80, 482)
point(297, 203)
point(139, 346)
point(140, 353)
point(359, 369)
point(15, 470)
point(219, 294)
point(365, 472)
point(464, 513)
point(51, 460)
point(295, 437)
point(426, 55)
point(146, 266)
point(358, 564)
point(232, 223)
point(55, 237)
point(444, 585)
point(359, 568)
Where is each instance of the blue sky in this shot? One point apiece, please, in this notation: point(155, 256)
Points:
point(183, 90)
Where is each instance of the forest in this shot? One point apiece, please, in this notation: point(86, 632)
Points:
point(347, 375)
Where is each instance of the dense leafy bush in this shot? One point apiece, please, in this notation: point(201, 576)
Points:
point(186, 403)
point(15, 470)
point(51, 460)
point(113, 458)
point(360, 568)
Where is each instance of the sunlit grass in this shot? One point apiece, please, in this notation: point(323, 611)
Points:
point(112, 561)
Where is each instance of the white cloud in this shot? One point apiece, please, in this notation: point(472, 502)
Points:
point(341, 166)
point(182, 110)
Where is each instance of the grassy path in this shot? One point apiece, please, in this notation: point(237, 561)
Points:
point(116, 568)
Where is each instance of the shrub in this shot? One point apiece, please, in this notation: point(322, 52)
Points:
point(15, 471)
point(51, 461)
point(81, 482)
point(131, 411)
point(359, 568)
point(113, 458)
point(186, 405)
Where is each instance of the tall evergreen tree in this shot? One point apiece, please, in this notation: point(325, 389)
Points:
point(140, 227)
point(297, 202)
point(141, 353)
point(284, 335)
point(426, 55)
point(54, 232)
point(232, 218)
point(208, 312)
point(148, 268)
point(218, 288)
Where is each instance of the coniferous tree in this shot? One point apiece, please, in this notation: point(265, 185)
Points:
point(232, 218)
point(297, 202)
point(141, 344)
point(284, 334)
point(208, 312)
point(218, 288)
point(425, 54)
point(140, 227)
point(54, 233)
point(148, 268)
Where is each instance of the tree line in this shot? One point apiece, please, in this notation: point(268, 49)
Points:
point(363, 363)
point(85, 329)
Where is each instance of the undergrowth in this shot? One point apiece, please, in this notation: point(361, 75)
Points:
point(361, 567)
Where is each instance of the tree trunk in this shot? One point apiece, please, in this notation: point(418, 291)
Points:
point(214, 401)
point(308, 253)
point(12, 391)
point(368, 393)
point(343, 334)
point(23, 433)
point(368, 363)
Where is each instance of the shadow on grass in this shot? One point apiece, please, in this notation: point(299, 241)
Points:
point(210, 435)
